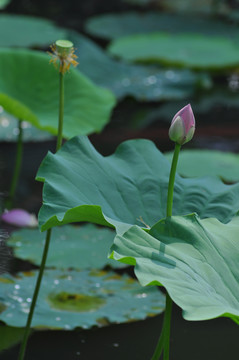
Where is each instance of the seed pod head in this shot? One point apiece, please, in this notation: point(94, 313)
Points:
point(182, 126)
point(62, 52)
point(64, 47)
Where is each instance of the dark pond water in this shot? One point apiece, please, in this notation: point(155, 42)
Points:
point(208, 340)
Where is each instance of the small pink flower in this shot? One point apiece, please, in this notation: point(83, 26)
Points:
point(19, 217)
point(182, 126)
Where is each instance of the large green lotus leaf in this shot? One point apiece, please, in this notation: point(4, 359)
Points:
point(196, 260)
point(10, 336)
point(26, 31)
point(113, 26)
point(184, 50)
point(194, 163)
point(127, 187)
point(4, 3)
point(78, 247)
point(29, 88)
point(145, 83)
point(70, 299)
point(9, 130)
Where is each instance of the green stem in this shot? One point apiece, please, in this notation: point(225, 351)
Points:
point(17, 169)
point(167, 315)
point(160, 344)
point(61, 112)
point(164, 339)
point(172, 179)
point(34, 299)
point(48, 234)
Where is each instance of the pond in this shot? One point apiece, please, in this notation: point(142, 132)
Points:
point(88, 159)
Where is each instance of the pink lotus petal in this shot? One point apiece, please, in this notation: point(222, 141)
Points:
point(182, 126)
point(19, 217)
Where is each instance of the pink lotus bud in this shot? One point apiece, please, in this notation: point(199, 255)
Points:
point(182, 126)
point(19, 217)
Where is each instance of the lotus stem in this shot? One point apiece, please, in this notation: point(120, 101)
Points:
point(34, 298)
point(48, 234)
point(164, 339)
point(61, 112)
point(17, 168)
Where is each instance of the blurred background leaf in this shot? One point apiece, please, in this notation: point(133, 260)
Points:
point(28, 31)
point(33, 96)
point(78, 247)
point(10, 336)
point(113, 26)
point(4, 3)
point(183, 50)
point(9, 129)
point(145, 83)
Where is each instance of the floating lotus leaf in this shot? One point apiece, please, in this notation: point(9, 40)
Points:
point(217, 99)
point(78, 247)
point(113, 26)
point(195, 260)
point(145, 83)
point(185, 50)
point(29, 88)
point(128, 187)
point(198, 6)
point(9, 336)
point(9, 130)
point(194, 163)
point(70, 299)
point(4, 3)
point(28, 31)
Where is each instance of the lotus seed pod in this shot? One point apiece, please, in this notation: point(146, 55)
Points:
point(64, 47)
point(62, 55)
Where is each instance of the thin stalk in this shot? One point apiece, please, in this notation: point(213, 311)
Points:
point(34, 298)
point(164, 339)
point(160, 345)
point(48, 234)
point(172, 179)
point(61, 112)
point(167, 315)
point(17, 168)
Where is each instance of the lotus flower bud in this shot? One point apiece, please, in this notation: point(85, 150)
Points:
point(182, 126)
point(19, 217)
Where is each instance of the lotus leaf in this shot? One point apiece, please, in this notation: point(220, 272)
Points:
point(113, 26)
point(78, 247)
point(145, 83)
point(10, 336)
point(28, 31)
point(128, 187)
point(70, 299)
point(9, 130)
point(196, 260)
point(194, 163)
point(195, 51)
point(29, 91)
